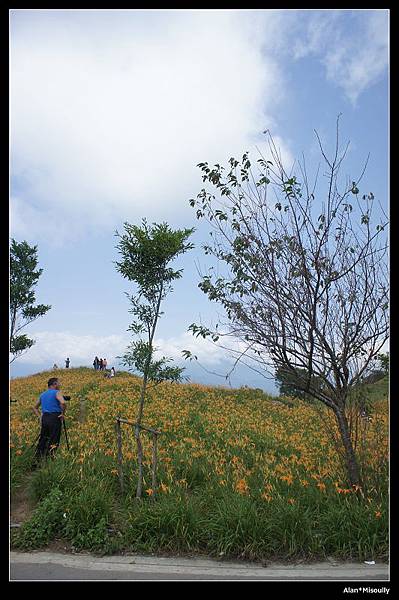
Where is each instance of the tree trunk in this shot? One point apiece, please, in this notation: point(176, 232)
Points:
point(352, 466)
point(142, 398)
point(138, 440)
point(154, 463)
point(120, 457)
point(140, 461)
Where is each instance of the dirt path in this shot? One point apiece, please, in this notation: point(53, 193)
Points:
point(20, 506)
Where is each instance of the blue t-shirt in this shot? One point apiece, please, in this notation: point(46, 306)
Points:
point(49, 402)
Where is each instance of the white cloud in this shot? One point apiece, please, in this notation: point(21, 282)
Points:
point(108, 121)
point(358, 63)
point(353, 47)
point(33, 222)
point(317, 35)
point(55, 346)
point(208, 353)
point(112, 110)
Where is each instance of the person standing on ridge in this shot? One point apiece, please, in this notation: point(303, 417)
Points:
point(67, 363)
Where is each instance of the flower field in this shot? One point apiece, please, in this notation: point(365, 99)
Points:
point(239, 474)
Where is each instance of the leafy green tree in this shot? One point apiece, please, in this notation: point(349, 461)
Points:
point(380, 370)
point(147, 253)
point(24, 276)
point(290, 383)
point(384, 362)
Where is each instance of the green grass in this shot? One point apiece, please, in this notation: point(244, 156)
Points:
point(90, 514)
point(82, 503)
point(378, 390)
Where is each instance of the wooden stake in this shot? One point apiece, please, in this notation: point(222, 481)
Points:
point(154, 463)
point(120, 457)
point(140, 461)
point(137, 430)
point(82, 404)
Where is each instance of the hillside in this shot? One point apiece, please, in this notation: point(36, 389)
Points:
point(378, 390)
point(239, 474)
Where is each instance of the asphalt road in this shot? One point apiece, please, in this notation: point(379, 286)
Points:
point(40, 566)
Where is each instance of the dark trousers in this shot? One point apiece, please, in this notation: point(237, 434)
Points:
point(50, 434)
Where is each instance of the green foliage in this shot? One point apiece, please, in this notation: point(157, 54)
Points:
point(380, 370)
point(56, 473)
point(79, 511)
point(378, 389)
point(197, 512)
point(157, 371)
point(92, 538)
point(19, 467)
point(290, 277)
point(20, 343)
point(44, 524)
point(291, 383)
point(228, 525)
point(173, 523)
point(147, 252)
point(87, 516)
point(384, 362)
point(24, 276)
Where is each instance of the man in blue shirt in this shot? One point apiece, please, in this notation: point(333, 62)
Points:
point(53, 408)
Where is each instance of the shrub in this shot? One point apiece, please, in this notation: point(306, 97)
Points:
point(45, 523)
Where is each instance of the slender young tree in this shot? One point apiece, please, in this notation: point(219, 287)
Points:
point(303, 275)
point(24, 276)
point(147, 253)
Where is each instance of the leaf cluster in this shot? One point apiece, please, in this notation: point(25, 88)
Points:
point(147, 252)
point(136, 359)
point(24, 276)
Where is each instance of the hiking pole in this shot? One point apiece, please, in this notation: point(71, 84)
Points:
point(65, 431)
point(39, 434)
point(36, 440)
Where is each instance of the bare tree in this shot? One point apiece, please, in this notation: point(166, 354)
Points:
point(305, 283)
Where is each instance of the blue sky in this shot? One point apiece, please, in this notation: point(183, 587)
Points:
point(112, 110)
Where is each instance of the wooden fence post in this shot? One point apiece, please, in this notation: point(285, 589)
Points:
point(137, 430)
point(82, 406)
point(139, 460)
point(120, 457)
point(154, 462)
